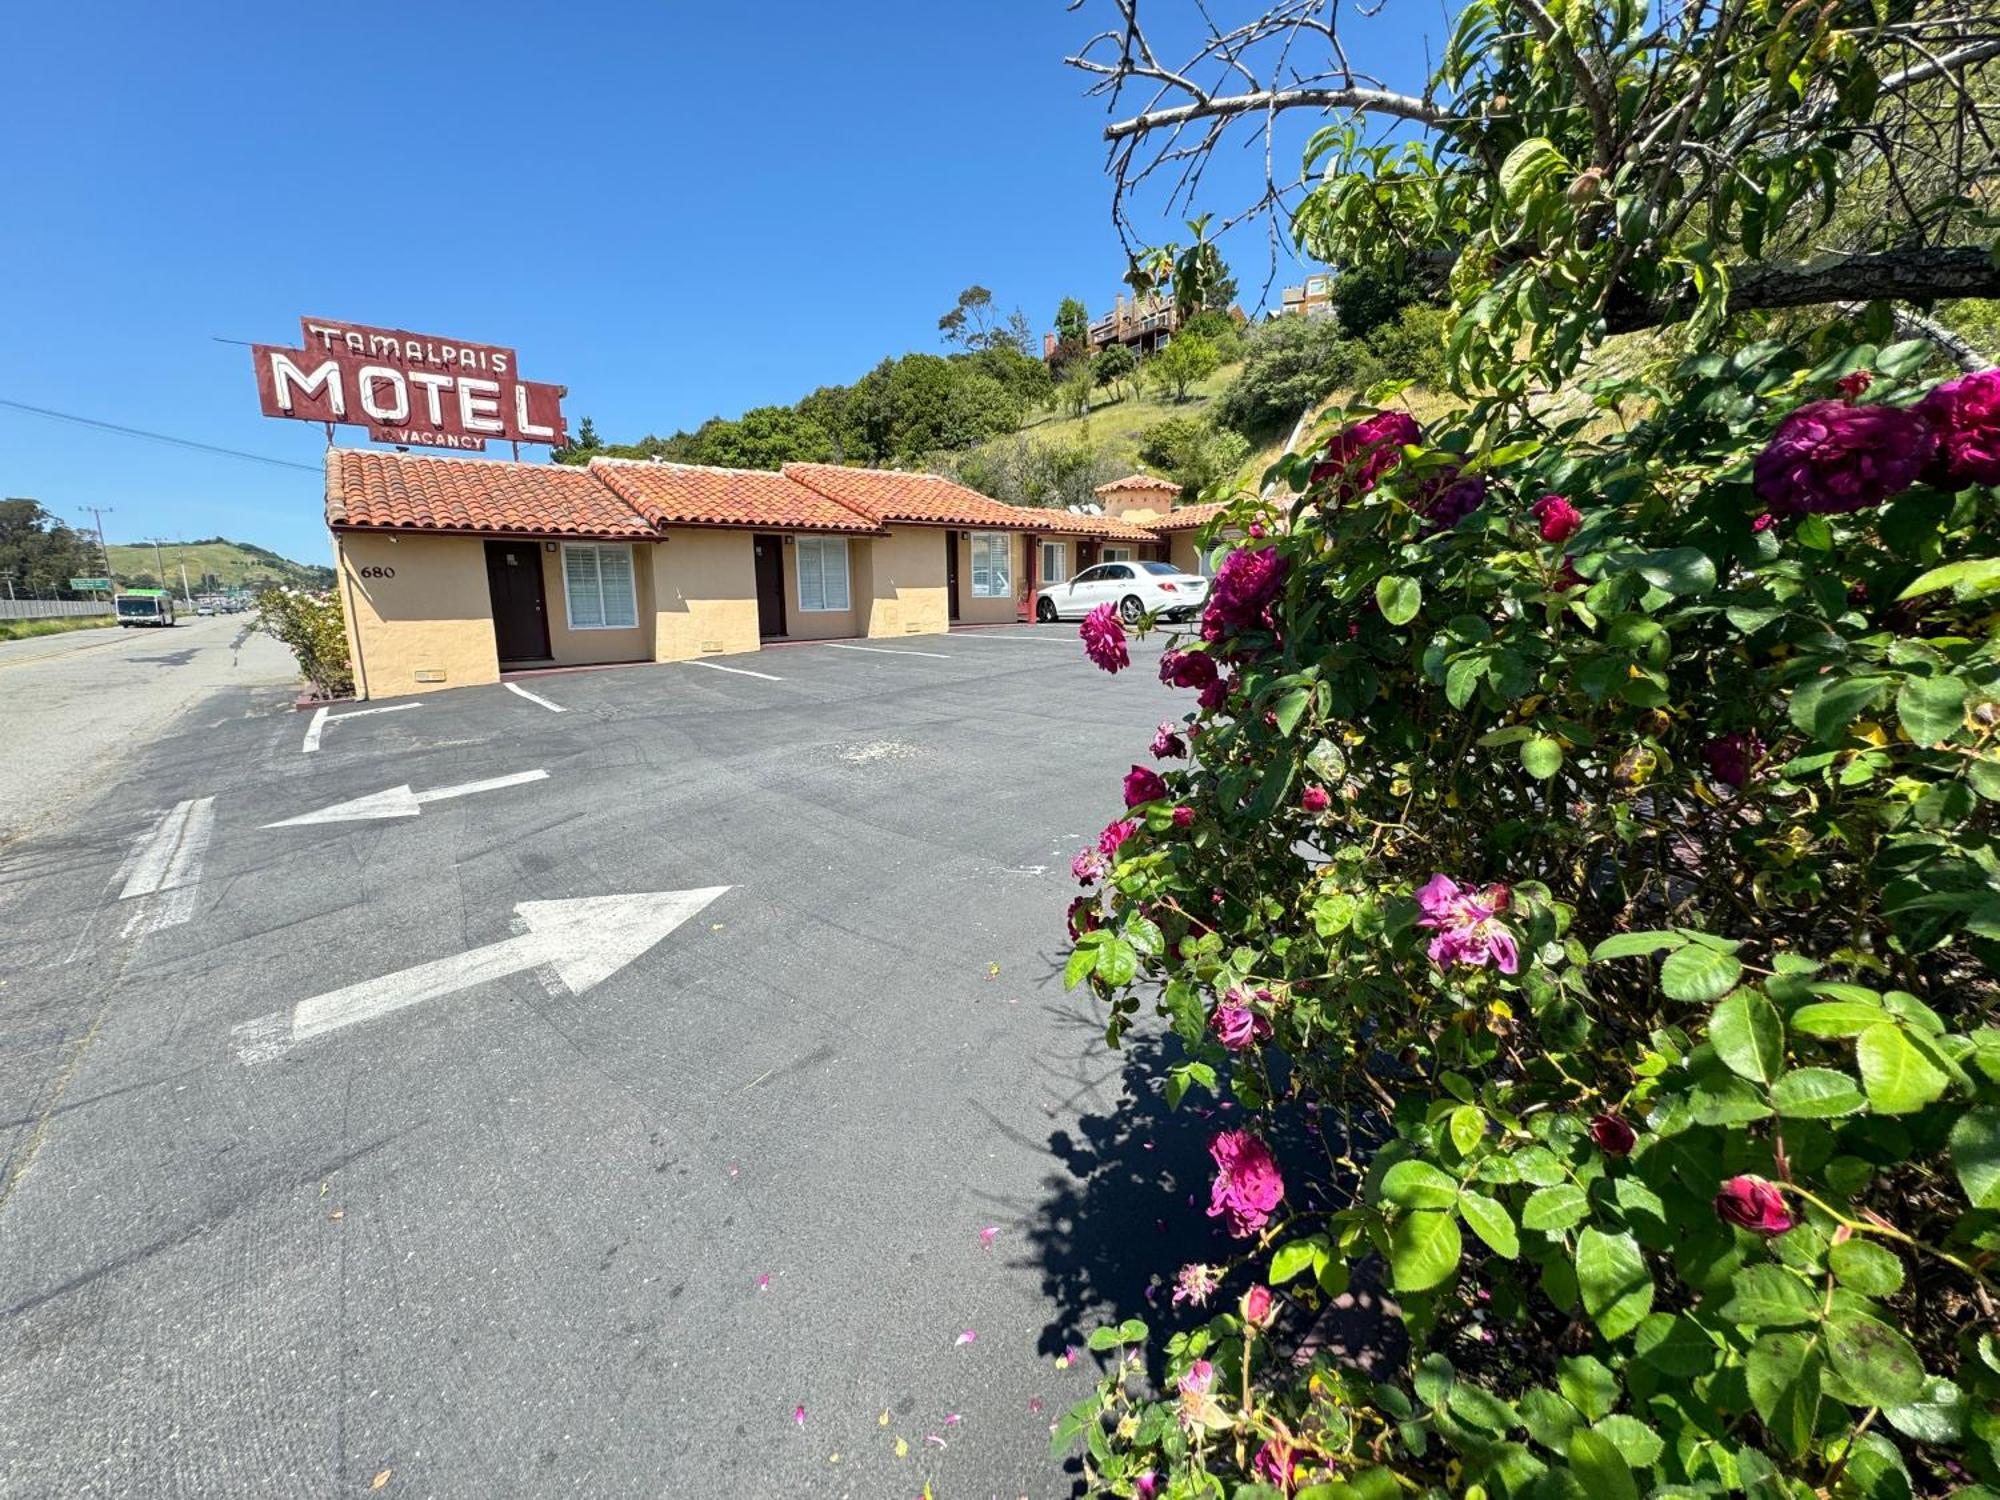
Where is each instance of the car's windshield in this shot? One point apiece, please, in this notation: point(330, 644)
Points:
point(1166, 569)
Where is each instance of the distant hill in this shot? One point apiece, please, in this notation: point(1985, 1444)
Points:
point(232, 564)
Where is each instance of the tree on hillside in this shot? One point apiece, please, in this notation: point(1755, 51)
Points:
point(970, 320)
point(764, 437)
point(832, 409)
point(1186, 360)
point(1196, 454)
point(38, 552)
point(1289, 364)
point(1072, 323)
point(1365, 300)
point(1115, 365)
point(1073, 395)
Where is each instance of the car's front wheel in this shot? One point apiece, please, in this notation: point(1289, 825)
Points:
point(1130, 609)
point(1045, 610)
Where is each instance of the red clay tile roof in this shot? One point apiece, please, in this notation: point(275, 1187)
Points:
point(1139, 482)
point(406, 491)
point(1075, 523)
point(686, 495)
point(917, 499)
point(1187, 517)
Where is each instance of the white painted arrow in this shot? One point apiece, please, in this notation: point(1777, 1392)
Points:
point(579, 943)
point(401, 802)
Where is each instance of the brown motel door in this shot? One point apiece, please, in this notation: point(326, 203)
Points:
point(951, 571)
point(520, 618)
point(770, 585)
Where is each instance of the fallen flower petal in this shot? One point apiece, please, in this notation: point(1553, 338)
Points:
point(799, 1415)
point(764, 1282)
point(967, 1337)
point(987, 1235)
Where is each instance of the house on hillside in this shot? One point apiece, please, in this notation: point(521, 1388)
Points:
point(1145, 325)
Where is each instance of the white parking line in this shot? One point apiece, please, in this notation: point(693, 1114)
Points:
point(517, 689)
point(1041, 640)
point(889, 651)
point(716, 666)
point(325, 716)
point(168, 868)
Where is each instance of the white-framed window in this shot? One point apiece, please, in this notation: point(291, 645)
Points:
point(1117, 554)
point(598, 591)
point(1055, 562)
point(992, 565)
point(822, 565)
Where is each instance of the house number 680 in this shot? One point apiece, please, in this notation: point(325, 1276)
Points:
point(378, 572)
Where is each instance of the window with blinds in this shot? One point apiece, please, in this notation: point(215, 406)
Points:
point(1055, 567)
point(597, 587)
point(992, 565)
point(822, 565)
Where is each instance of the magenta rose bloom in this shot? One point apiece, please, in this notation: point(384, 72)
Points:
point(1259, 1306)
point(1568, 578)
point(1965, 415)
point(1613, 1136)
point(1216, 693)
point(1753, 1203)
point(1115, 833)
point(1828, 458)
point(1246, 585)
point(1314, 799)
point(1558, 518)
point(1087, 866)
point(1143, 785)
point(1360, 454)
point(1083, 915)
point(1147, 1485)
point(1167, 743)
point(1446, 498)
point(1731, 756)
point(1237, 1025)
point(1247, 1186)
point(1274, 1466)
point(1104, 638)
point(1183, 817)
point(1187, 669)
point(1854, 383)
point(1467, 924)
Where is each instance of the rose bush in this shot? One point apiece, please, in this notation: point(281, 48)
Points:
point(1633, 952)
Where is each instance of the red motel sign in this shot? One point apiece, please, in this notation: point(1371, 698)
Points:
point(410, 389)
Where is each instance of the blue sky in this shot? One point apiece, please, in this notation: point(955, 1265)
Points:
point(676, 210)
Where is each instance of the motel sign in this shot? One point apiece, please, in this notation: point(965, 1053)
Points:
point(410, 389)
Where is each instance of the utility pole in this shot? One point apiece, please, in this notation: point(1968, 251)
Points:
point(98, 513)
point(186, 597)
point(159, 559)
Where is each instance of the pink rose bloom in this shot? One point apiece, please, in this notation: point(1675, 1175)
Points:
point(1247, 1186)
point(1237, 1025)
point(1115, 833)
point(1965, 415)
point(1256, 530)
point(1259, 1306)
point(1764, 522)
point(1143, 785)
point(1467, 924)
point(1104, 638)
point(1183, 817)
point(1187, 669)
point(1559, 519)
point(1195, 1283)
point(1167, 743)
point(1753, 1203)
point(1854, 383)
point(1199, 1379)
point(1829, 458)
point(1731, 756)
point(1613, 1136)
point(1087, 866)
point(1446, 498)
point(1146, 1486)
point(1273, 1464)
point(1216, 694)
point(1314, 799)
point(1360, 454)
point(1246, 586)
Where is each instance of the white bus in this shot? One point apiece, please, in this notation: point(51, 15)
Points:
point(145, 607)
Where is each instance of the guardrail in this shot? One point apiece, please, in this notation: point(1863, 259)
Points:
point(52, 609)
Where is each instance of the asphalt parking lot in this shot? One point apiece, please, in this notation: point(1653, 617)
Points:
point(336, 1144)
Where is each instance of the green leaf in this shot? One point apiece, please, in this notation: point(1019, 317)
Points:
point(1816, 1094)
point(1601, 1467)
point(1117, 962)
point(1541, 757)
point(1675, 1344)
point(1782, 1375)
point(1399, 598)
point(1746, 1033)
point(1877, 1362)
point(1549, 1419)
point(1611, 1274)
point(1295, 1256)
point(1461, 678)
point(1975, 1155)
point(1938, 1416)
point(1081, 960)
point(1554, 1209)
point(1589, 1385)
point(1633, 944)
point(1931, 709)
point(1900, 1079)
point(1837, 1018)
point(1468, 1127)
point(1699, 974)
point(1424, 1249)
point(1526, 165)
point(1824, 706)
point(1291, 708)
point(1865, 1267)
point(1768, 1296)
point(1481, 1407)
point(1641, 1445)
point(1491, 1222)
point(1418, 1184)
point(1678, 570)
point(1973, 575)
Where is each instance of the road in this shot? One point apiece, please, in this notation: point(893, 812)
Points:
point(74, 706)
point(338, 1145)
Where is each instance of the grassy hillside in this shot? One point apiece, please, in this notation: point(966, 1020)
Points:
point(1117, 427)
point(234, 564)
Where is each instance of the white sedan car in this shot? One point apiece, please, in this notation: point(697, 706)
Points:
point(1135, 587)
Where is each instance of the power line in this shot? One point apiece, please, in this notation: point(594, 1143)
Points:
point(157, 437)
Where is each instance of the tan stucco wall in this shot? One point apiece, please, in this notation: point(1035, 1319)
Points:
point(976, 611)
point(583, 648)
point(1137, 506)
point(704, 589)
point(899, 582)
point(434, 616)
point(819, 624)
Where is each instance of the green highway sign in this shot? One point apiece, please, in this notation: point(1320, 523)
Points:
point(103, 585)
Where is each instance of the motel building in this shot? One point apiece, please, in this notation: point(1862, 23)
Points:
point(455, 571)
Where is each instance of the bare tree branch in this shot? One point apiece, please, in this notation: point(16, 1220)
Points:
point(1915, 275)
